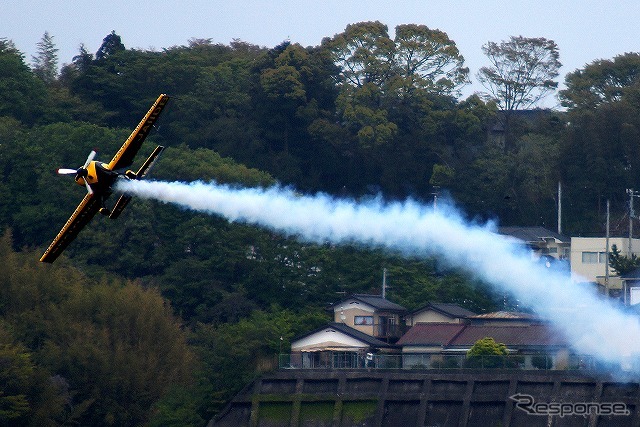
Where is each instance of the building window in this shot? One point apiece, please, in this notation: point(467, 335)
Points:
point(589, 257)
point(602, 257)
point(594, 257)
point(363, 320)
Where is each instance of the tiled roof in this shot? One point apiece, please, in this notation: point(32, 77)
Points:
point(505, 315)
point(511, 336)
point(464, 335)
point(453, 310)
point(376, 301)
point(431, 334)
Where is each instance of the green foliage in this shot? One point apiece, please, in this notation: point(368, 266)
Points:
point(45, 64)
point(428, 59)
point(522, 71)
point(604, 81)
point(487, 347)
point(246, 348)
point(111, 350)
point(22, 94)
point(360, 114)
point(486, 353)
point(622, 264)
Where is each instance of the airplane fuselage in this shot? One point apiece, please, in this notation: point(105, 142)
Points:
point(99, 177)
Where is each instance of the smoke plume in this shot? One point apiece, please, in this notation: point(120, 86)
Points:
point(593, 326)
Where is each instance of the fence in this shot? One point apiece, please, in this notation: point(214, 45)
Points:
point(352, 360)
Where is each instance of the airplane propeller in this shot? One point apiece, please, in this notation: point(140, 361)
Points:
point(80, 170)
point(63, 171)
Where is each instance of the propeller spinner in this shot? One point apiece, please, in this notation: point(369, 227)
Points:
point(81, 171)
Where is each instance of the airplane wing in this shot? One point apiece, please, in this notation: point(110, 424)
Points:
point(87, 208)
point(126, 153)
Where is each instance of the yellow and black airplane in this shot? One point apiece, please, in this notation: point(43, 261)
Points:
point(99, 179)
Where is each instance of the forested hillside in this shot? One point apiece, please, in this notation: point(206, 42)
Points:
point(161, 316)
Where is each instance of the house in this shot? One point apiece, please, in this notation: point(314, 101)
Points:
point(371, 314)
point(334, 345)
point(430, 338)
point(438, 313)
point(589, 261)
point(541, 242)
point(432, 344)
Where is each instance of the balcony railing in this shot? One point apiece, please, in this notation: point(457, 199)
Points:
point(386, 330)
point(351, 360)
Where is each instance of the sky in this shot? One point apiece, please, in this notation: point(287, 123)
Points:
point(585, 30)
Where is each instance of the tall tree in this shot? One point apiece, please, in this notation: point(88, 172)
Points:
point(428, 59)
point(45, 63)
point(603, 81)
point(601, 145)
point(111, 44)
point(522, 73)
point(21, 93)
point(364, 52)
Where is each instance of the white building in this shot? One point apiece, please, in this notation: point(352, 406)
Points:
point(589, 259)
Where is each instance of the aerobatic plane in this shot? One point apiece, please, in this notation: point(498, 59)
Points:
point(99, 178)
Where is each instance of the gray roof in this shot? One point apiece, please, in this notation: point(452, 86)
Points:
point(532, 234)
point(452, 310)
point(360, 336)
point(377, 302)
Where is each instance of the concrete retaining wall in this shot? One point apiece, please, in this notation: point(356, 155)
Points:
point(425, 398)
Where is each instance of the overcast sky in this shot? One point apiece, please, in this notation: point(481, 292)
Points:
point(585, 30)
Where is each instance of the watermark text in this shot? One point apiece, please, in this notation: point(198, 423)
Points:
point(527, 403)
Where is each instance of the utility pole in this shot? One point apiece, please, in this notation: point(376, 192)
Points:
point(559, 207)
point(631, 194)
point(606, 273)
point(384, 283)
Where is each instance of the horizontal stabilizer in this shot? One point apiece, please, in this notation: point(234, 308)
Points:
point(122, 202)
point(148, 164)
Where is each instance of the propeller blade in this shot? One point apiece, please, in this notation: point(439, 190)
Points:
point(65, 171)
point(89, 190)
point(92, 154)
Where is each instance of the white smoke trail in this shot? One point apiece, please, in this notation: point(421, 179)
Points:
point(592, 325)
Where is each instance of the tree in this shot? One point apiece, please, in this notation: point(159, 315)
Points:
point(364, 52)
point(22, 95)
point(604, 81)
point(600, 150)
point(45, 64)
point(487, 346)
point(428, 59)
point(111, 44)
point(486, 353)
point(622, 264)
point(522, 73)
